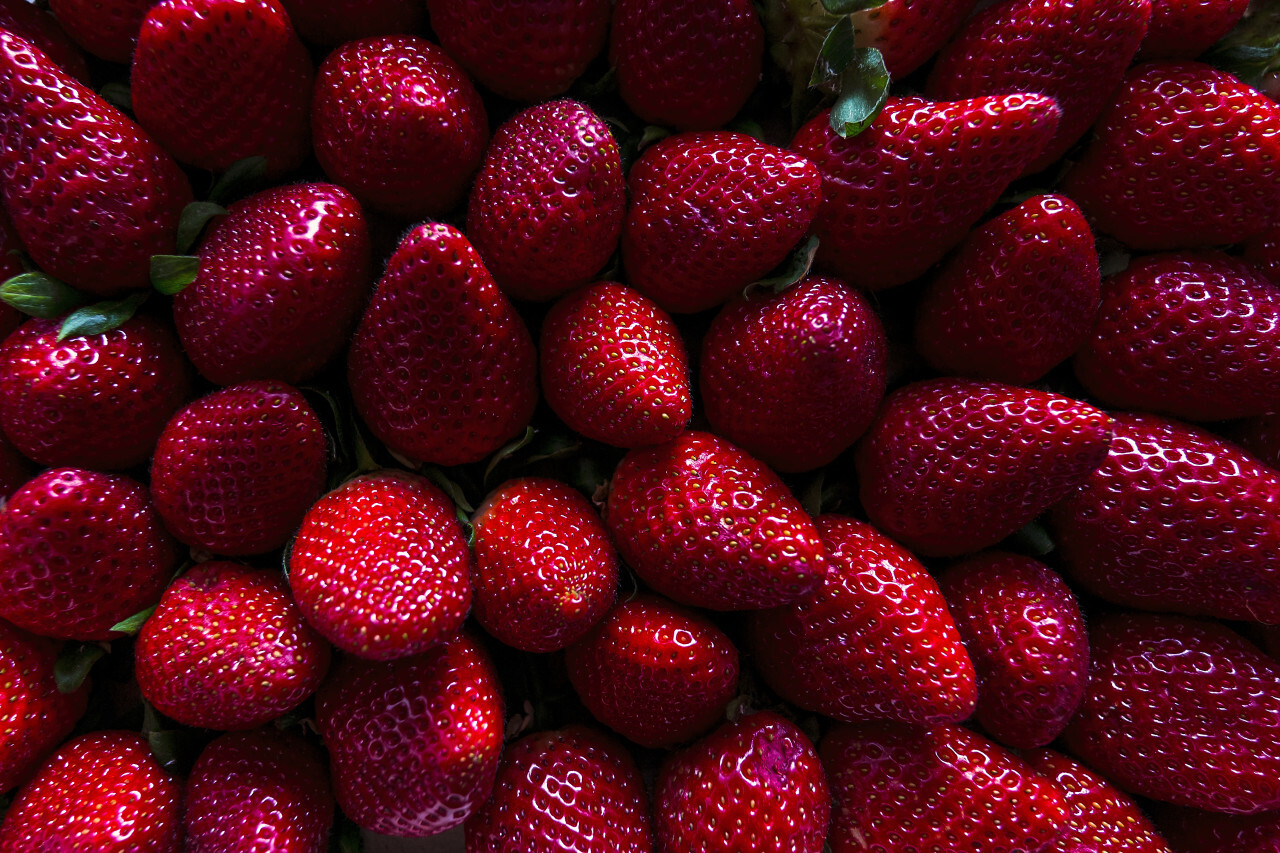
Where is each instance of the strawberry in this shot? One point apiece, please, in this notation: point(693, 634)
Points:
point(1183, 158)
point(234, 472)
point(380, 566)
point(11, 250)
point(545, 570)
point(282, 281)
point(398, 123)
point(101, 793)
point(1184, 29)
point(546, 209)
point(106, 28)
point(41, 30)
point(15, 469)
point(654, 672)
point(1261, 437)
point(691, 67)
point(897, 197)
point(875, 642)
point(441, 333)
point(414, 744)
point(1018, 298)
point(614, 367)
point(68, 159)
point(755, 784)
point(530, 51)
point(98, 401)
point(1175, 519)
point(330, 22)
point(908, 32)
point(906, 789)
point(1193, 335)
point(1182, 711)
point(79, 552)
point(572, 789)
point(1263, 251)
point(794, 378)
point(259, 790)
point(706, 524)
point(952, 466)
point(1023, 628)
point(1195, 831)
point(712, 212)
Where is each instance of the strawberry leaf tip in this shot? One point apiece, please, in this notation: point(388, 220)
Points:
point(73, 665)
point(133, 624)
point(101, 317)
point(848, 7)
point(171, 273)
point(795, 270)
point(241, 178)
point(864, 89)
point(40, 295)
point(118, 95)
point(195, 217)
point(836, 54)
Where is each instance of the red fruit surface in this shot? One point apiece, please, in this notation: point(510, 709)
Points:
point(15, 469)
point(1263, 251)
point(330, 22)
point(1184, 29)
point(106, 28)
point(908, 32)
point(1195, 831)
point(27, 21)
point(1261, 437)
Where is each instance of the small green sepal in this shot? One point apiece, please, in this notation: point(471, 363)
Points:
point(241, 178)
point(170, 274)
point(101, 317)
point(40, 295)
point(134, 623)
point(194, 218)
point(796, 270)
point(73, 665)
point(864, 90)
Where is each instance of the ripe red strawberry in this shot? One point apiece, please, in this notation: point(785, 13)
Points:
point(79, 552)
point(106, 28)
point(572, 789)
point(529, 51)
point(380, 566)
point(330, 22)
point(413, 744)
point(1024, 631)
point(1261, 437)
point(15, 469)
point(1183, 711)
point(691, 67)
point(794, 378)
point(898, 196)
point(906, 789)
point(1263, 251)
point(545, 570)
point(908, 32)
point(259, 790)
point(91, 195)
point(1183, 158)
point(235, 471)
point(102, 792)
point(614, 367)
point(712, 212)
point(706, 524)
point(1184, 29)
point(546, 209)
point(654, 672)
point(442, 368)
point(952, 466)
point(755, 784)
point(26, 21)
point(1017, 300)
point(876, 642)
point(398, 123)
point(98, 401)
point(281, 284)
point(1175, 519)
point(1195, 831)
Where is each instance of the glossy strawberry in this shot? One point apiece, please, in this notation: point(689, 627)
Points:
point(794, 378)
point(380, 566)
point(106, 28)
point(712, 212)
point(15, 469)
point(1263, 251)
point(900, 195)
point(27, 21)
point(706, 524)
point(1195, 831)
point(614, 367)
point(235, 471)
point(330, 22)
point(547, 206)
point(654, 672)
point(909, 32)
point(1184, 29)
point(442, 368)
point(952, 466)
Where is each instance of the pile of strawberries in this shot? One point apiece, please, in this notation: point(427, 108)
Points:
point(643, 427)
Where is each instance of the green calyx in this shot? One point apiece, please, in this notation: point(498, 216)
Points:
point(101, 317)
point(40, 295)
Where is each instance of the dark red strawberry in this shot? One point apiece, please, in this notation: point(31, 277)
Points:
point(11, 250)
point(79, 552)
point(441, 334)
point(1195, 831)
point(876, 642)
point(1184, 29)
point(654, 672)
point(706, 524)
point(91, 195)
point(909, 32)
point(1017, 300)
point(398, 123)
point(572, 789)
point(330, 22)
point(106, 28)
point(614, 367)
point(98, 401)
point(15, 469)
point(691, 67)
point(712, 212)
point(1261, 437)
point(282, 282)
point(27, 21)
point(900, 195)
point(794, 378)
point(235, 471)
point(952, 466)
point(414, 744)
point(546, 209)
point(380, 566)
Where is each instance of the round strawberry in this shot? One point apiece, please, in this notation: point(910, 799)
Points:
point(330, 22)
point(29, 22)
point(1184, 29)
point(15, 469)
point(106, 28)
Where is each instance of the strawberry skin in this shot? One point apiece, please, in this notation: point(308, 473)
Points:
point(875, 642)
point(1184, 29)
point(908, 32)
point(712, 212)
point(41, 30)
point(953, 466)
point(794, 378)
point(330, 22)
point(106, 28)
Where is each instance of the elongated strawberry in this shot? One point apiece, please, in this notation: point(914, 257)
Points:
point(106, 28)
point(1196, 831)
point(27, 21)
point(15, 469)
point(1184, 29)
point(330, 22)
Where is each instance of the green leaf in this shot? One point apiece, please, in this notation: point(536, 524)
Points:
point(241, 178)
point(347, 837)
point(1251, 50)
point(73, 665)
point(811, 500)
point(449, 487)
point(652, 133)
point(101, 317)
point(118, 95)
point(167, 747)
point(133, 624)
point(1032, 539)
point(506, 450)
point(170, 274)
point(750, 127)
point(195, 217)
point(796, 269)
point(848, 7)
point(835, 55)
point(864, 88)
point(40, 295)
